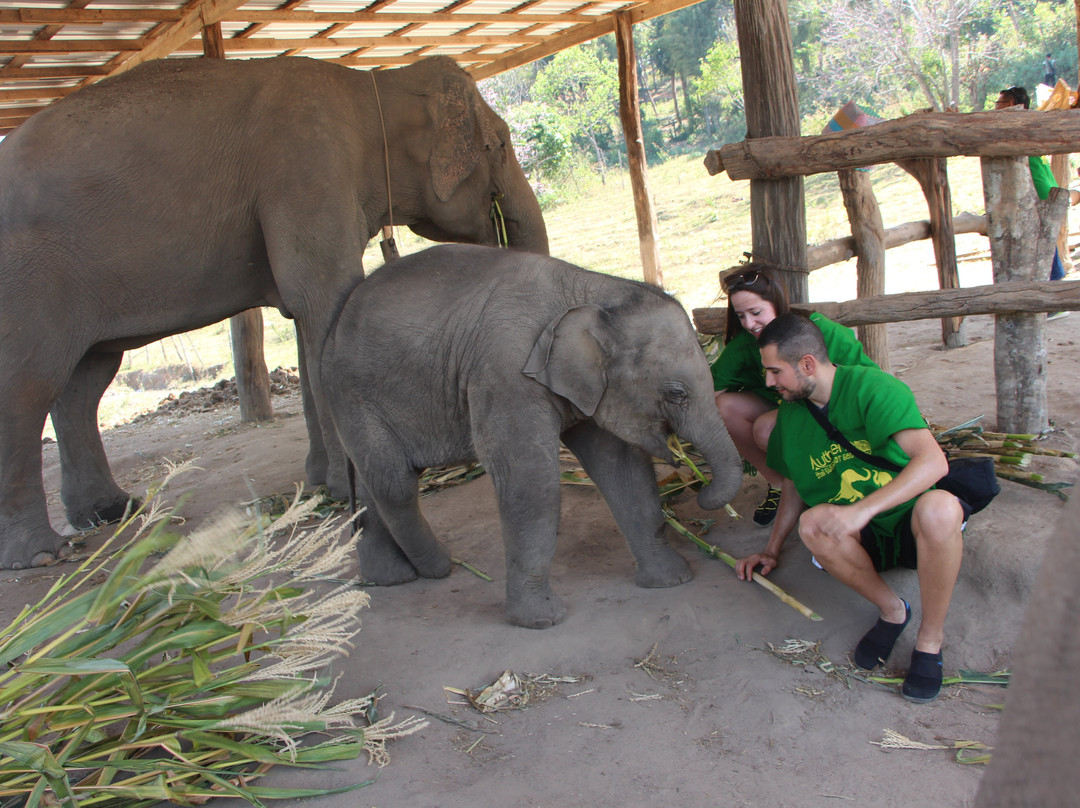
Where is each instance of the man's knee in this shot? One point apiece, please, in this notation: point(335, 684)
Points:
point(937, 520)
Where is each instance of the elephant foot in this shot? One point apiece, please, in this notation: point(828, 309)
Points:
point(535, 609)
point(384, 566)
point(111, 508)
point(663, 570)
point(315, 471)
point(434, 564)
point(24, 554)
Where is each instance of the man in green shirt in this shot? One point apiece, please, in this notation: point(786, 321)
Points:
point(856, 518)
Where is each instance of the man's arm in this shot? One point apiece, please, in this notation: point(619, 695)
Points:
point(787, 515)
point(926, 466)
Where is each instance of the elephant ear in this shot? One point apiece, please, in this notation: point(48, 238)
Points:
point(462, 134)
point(569, 359)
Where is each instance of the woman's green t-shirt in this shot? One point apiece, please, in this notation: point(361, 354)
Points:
point(739, 365)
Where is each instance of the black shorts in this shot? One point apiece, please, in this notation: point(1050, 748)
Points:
point(897, 550)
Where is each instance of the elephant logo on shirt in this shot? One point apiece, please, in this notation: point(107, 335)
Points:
point(848, 493)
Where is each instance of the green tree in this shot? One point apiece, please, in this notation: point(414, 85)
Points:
point(583, 91)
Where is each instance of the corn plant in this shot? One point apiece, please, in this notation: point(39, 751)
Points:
point(169, 668)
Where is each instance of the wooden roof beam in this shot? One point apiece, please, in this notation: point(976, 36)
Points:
point(84, 16)
point(575, 36)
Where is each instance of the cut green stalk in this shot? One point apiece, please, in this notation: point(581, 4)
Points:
point(714, 552)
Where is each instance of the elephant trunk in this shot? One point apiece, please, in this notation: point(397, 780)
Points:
point(525, 228)
point(716, 446)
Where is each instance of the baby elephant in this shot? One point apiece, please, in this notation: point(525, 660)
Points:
point(461, 352)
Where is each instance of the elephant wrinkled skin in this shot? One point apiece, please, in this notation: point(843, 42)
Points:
point(463, 352)
point(185, 191)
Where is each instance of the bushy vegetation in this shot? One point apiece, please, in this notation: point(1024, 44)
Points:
point(891, 57)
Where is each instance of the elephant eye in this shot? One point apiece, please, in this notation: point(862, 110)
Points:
point(674, 393)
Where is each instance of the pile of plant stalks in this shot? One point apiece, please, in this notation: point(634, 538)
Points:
point(1012, 453)
point(131, 683)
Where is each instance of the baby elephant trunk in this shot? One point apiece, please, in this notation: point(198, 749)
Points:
point(719, 452)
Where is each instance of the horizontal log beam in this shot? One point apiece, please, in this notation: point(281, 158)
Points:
point(999, 133)
point(1000, 298)
point(841, 249)
point(51, 72)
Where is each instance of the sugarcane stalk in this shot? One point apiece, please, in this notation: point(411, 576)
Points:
point(713, 551)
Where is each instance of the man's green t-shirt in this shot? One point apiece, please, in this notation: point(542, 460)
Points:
point(739, 365)
point(1041, 176)
point(868, 407)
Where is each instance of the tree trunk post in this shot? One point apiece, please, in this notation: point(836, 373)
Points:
point(777, 206)
point(246, 328)
point(252, 378)
point(868, 230)
point(630, 114)
point(1059, 165)
point(1022, 231)
point(933, 178)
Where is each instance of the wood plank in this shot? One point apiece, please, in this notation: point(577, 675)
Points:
point(51, 72)
point(347, 43)
point(997, 298)
point(998, 133)
point(84, 16)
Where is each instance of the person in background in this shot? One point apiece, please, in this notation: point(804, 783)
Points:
point(855, 517)
point(1041, 175)
point(1049, 71)
point(756, 297)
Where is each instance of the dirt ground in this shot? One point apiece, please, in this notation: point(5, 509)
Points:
point(669, 696)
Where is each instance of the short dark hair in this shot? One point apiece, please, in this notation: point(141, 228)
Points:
point(1018, 95)
point(763, 282)
point(794, 336)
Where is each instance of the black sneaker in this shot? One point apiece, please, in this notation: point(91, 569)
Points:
point(766, 512)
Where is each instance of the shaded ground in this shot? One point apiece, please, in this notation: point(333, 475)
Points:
point(708, 717)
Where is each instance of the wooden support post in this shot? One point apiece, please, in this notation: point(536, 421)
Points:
point(868, 230)
point(246, 328)
point(630, 114)
point(1059, 164)
point(1022, 231)
point(932, 176)
point(252, 378)
point(777, 206)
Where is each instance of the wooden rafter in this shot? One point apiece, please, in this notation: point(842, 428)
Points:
point(48, 53)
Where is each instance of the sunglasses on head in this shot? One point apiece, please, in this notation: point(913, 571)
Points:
point(742, 280)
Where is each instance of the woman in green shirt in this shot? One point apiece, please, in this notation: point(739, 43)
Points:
point(755, 298)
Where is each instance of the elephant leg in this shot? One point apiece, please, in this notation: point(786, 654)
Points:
point(87, 488)
point(325, 462)
point(626, 478)
point(382, 562)
point(526, 479)
point(26, 537)
point(397, 543)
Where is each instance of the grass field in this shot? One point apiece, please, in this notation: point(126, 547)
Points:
point(704, 227)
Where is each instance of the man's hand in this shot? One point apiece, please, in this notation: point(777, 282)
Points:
point(744, 567)
point(836, 521)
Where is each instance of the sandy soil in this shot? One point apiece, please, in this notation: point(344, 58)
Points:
point(709, 717)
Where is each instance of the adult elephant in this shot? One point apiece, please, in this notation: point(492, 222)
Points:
point(185, 191)
point(506, 354)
